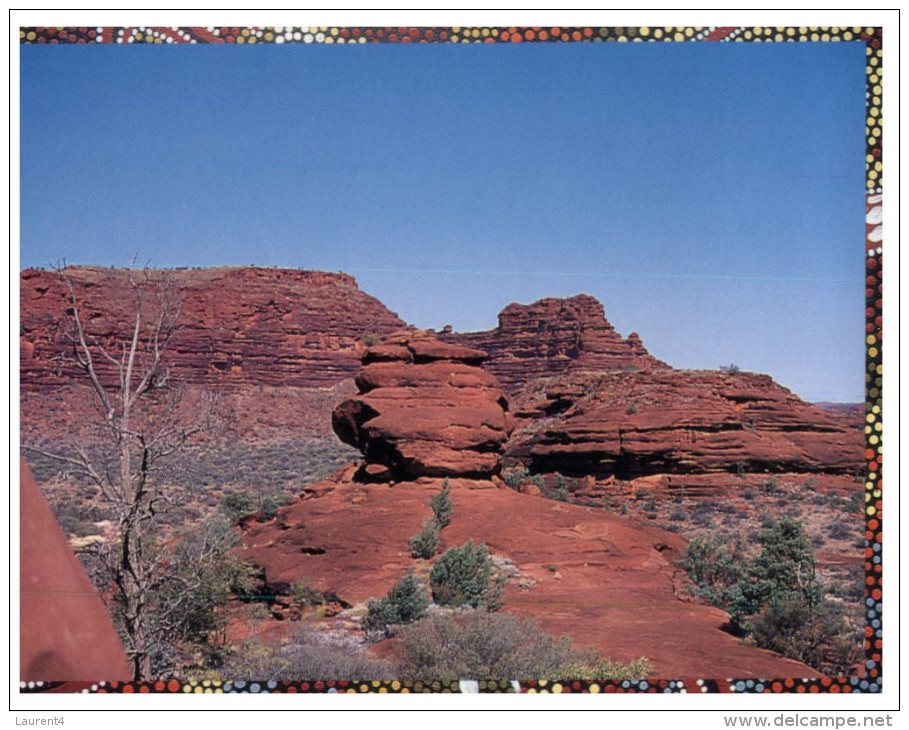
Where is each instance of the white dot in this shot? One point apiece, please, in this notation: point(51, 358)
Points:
point(307, 38)
point(320, 37)
point(279, 39)
point(297, 35)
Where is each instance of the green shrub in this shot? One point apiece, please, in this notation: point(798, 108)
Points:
point(441, 506)
point(305, 595)
point(480, 645)
point(405, 603)
point(464, 576)
point(236, 505)
point(426, 542)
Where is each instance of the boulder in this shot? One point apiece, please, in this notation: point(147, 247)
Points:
point(425, 408)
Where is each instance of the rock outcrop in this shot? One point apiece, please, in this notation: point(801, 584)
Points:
point(554, 336)
point(425, 408)
point(237, 326)
point(676, 422)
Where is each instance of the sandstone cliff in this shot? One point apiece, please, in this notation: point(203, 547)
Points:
point(237, 326)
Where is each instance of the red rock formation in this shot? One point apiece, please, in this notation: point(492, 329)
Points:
point(425, 409)
point(237, 326)
point(65, 633)
point(554, 336)
point(675, 421)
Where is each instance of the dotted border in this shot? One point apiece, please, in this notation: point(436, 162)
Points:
point(873, 39)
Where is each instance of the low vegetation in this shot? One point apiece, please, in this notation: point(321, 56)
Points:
point(405, 603)
point(776, 600)
point(465, 576)
point(479, 645)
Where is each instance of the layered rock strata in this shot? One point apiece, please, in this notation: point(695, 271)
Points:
point(677, 421)
point(553, 336)
point(425, 408)
point(236, 327)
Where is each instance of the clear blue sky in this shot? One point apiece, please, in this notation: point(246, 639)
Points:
point(710, 195)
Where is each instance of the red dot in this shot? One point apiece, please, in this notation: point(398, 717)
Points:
point(414, 33)
point(588, 32)
point(428, 34)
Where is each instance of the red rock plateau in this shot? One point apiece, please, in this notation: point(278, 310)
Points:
point(662, 421)
point(602, 579)
point(554, 336)
point(425, 408)
point(237, 327)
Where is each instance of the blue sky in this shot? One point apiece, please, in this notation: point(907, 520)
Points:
point(710, 195)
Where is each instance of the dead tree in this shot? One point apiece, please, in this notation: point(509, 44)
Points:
point(138, 414)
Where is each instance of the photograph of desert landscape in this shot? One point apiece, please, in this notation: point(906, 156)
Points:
point(531, 367)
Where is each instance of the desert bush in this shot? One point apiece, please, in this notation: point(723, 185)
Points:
point(715, 565)
point(839, 530)
point(426, 542)
point(405, 603)
point(464, 576)
point(305, 655)
point(441, 505)
point(238, 504)
point(305, 595)
point(479, 645)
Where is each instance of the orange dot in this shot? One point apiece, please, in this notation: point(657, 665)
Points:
point(128, 689)
point(143, 689)
point(588, 32)
point(173, 686)
point(516, 38)
point(556, 32)
point(576, 36)
point(543, 35)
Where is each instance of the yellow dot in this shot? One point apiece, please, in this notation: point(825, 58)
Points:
point(454, 39)
point(847, 35)
point(658, 33)
point(269, 36)
point(814, 36)
point(197, 690)
point(334, 31)
point(139, 36)
point(790, 31)
point(778, 37)
point(241, 39)
point(486, 32)
point(644, 31)
point(877, 165)
point(531, 691)
point(803, 30)
point(873, 439)
point(870, 418)
point(364, 688)
point(556, 688)
point(876, 409)
point(31, 35)
point(825, 37)
point(748, 35)
point(621, 39)
point(689, 32)
point(594, 689)
point(758, 31)
point(867, 430)
point(187, 688)
point(679, 37)
point(245, 32)
point(870, 339)
point(870, 511)
point(475, 32)
point(874, 112)
point(878, 427)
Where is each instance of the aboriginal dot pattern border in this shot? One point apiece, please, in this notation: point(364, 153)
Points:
point(872, 38)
